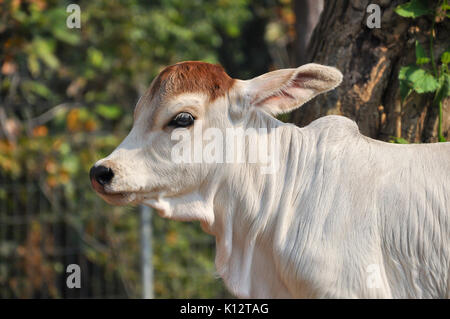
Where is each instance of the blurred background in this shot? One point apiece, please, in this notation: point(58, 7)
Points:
point(67, 98)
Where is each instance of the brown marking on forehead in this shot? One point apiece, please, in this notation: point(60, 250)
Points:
point(192, 76)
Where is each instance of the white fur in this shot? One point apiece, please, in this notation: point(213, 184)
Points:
point(339, 204)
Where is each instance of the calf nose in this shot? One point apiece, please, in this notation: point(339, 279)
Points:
point(103, 175)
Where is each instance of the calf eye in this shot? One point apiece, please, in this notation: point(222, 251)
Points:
point(183, 119)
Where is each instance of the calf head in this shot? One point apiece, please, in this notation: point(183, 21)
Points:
point(188, 96)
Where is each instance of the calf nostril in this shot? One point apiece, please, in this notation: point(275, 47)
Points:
point(103, 175)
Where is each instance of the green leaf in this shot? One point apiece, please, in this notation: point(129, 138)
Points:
point(445, 58)
point(418, 79)
point(422, 61)
point(405, 85)
point(33, 64)
point(110, 112)
point(402, 75)
point(421, 56)
point(66, 35)
point(44, 50)
point(444, 87)
point(71, 164)
point(95, 57)
point(423, 82)
point(37, 88)
point(405, 89)
point(413, 9)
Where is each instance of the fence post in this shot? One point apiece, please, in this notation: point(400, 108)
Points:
point(146, 252)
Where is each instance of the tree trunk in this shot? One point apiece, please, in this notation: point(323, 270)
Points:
point(370, 60)
point(307, 14)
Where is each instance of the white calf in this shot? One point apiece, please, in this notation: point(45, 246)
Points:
point(342, 216)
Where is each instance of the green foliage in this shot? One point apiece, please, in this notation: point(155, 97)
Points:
point(445, 58)
point(110, 112)
point(418, 77)
point(444, 87)
point(421, 56)
point(413, 9)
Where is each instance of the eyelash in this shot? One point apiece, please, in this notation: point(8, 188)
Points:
point(175, 122)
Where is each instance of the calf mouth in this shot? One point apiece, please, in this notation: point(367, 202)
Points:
point(117, 199)
point(122, 198)
point(113, 197)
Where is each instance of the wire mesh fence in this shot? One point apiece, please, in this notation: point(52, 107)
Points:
point(43, 230)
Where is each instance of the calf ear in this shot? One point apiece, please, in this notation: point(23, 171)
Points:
point(285, 90)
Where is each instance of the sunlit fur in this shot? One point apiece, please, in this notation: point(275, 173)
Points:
point(339, 203)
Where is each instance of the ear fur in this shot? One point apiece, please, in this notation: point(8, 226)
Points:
point(284, 90)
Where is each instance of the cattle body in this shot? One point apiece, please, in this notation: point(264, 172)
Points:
point(343, 215)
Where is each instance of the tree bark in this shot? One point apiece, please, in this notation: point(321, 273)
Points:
point(370, 60)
